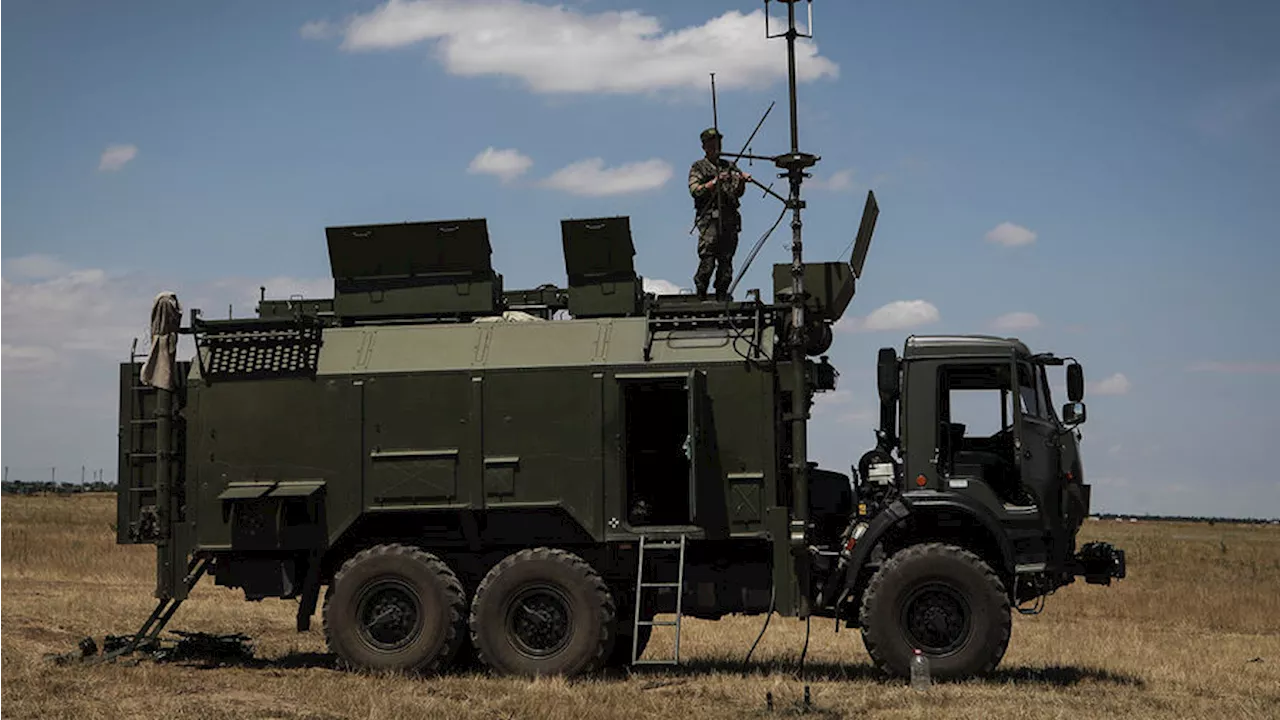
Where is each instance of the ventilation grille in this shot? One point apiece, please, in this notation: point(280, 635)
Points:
point(253, 354)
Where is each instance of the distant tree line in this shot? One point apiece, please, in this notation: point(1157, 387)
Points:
point(48, 487)
point(1186, 518)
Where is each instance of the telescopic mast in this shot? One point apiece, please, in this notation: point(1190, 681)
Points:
point(794, 163)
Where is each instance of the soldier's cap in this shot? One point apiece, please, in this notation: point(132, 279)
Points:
point(710, 133)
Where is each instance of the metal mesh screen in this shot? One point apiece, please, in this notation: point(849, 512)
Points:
point(245, 354)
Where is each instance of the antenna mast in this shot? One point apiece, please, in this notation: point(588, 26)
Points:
point(795, 163)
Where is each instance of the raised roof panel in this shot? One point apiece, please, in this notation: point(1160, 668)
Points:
point(401, 250)
point(597, 249)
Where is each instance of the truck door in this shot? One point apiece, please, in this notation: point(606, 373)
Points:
point(698, 446)
point(1036, 443)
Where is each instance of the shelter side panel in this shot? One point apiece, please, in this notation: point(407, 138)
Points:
point(257, 434)
point(417, 439)
point(542, 443)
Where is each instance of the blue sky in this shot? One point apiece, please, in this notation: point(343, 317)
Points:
point(1109, 172)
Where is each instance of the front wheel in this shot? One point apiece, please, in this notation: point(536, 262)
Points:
point(943, 600)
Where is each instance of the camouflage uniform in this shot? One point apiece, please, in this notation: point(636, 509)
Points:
point(717, 234)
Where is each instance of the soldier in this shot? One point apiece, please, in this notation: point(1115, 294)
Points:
point(715, 185)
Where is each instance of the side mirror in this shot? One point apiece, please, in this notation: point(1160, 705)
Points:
point(1075, 383)
point(887, 374)
point(1073, 413)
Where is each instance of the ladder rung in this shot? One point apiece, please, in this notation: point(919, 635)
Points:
point(659, 623)
point(662, 546)
point(656, 661)
point(660, 585)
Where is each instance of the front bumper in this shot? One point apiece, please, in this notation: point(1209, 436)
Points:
point(1099, 562)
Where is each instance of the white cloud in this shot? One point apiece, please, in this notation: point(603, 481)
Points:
point(590, 177)
point(35, 266)
point(1117, 384)
point(658, 286)
point(244, 293)
point(317, 30)
point(864, 416)
point(77, 311)
point(824, 402)
point(836, 182)
point(24, 359)
point(1016, 321)
point(64, 338)
point(92, 316)
point(116, 157)
point(556, 49)
point(1237, 368)
point(897, 315)
point(507, 165)
point(1010, 235)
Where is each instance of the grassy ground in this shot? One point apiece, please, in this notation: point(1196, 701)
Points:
point(1193, 632)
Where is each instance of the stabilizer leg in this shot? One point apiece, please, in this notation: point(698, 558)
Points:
point(164, 611)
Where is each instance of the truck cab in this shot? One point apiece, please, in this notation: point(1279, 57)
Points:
point(981, 428)
point(969, 504)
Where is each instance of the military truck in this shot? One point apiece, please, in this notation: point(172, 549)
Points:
point(536, 479)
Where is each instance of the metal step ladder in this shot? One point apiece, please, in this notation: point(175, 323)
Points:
point(647, 544)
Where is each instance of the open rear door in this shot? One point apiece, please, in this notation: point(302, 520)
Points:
point(697, 449)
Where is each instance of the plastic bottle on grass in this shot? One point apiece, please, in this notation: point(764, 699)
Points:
point(920, 679)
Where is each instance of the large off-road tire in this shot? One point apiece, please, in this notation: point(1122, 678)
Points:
point(543, 612)
point(395, 608)
point(941, 599)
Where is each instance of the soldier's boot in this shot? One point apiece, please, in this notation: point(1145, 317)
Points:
point(724, 278)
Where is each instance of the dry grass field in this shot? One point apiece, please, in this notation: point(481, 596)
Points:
point(1193, 632)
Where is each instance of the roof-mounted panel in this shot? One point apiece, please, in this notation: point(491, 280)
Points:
point(450, 247)
point(598, 255)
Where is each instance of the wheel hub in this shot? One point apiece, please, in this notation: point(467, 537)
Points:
point(539, 621)
point(936, 618)
point(390, 616)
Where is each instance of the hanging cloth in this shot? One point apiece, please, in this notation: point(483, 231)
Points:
point(166, 317)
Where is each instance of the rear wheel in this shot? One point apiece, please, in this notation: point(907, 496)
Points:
point(395, 607)
point(943, 600)
point(543, 612)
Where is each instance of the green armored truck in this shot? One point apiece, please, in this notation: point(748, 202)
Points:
point(453, 472)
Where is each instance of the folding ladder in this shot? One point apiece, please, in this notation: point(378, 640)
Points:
point(647, 544)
